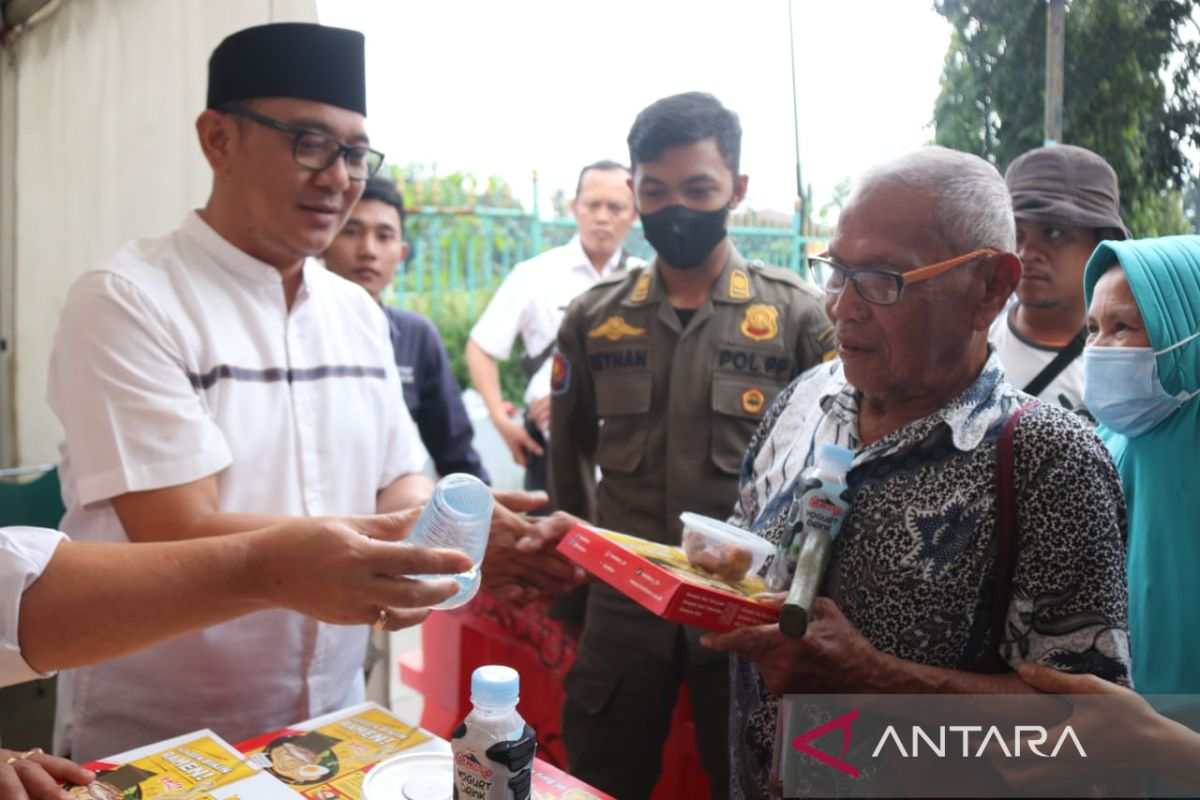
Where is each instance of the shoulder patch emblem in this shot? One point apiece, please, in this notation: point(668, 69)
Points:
point(560, 375)
point(753, 401)
point(739, 285)
point(614, 329)
point(760, 323)
point(641, 289)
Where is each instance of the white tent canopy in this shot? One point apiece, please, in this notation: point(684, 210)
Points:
point(97, 146)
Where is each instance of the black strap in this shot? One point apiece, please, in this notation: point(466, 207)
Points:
point(531, 364)
point(1065, 356)
point(1007, 536)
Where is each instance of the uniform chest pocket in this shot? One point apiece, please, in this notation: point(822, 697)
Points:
point(623, 405)
point(739, 404)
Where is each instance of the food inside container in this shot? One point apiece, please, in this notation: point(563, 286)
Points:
point(721, 549)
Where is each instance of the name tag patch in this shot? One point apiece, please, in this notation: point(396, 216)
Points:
point(617, 359)
point(750, 361)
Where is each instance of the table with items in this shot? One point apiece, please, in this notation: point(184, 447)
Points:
point(360, 752)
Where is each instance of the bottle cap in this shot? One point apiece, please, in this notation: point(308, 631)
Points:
point(495, 685)
point(836, 459)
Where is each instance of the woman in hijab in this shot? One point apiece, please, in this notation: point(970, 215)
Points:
point(1142, 381)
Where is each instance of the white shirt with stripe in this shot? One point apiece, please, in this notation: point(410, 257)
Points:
point(177, 359)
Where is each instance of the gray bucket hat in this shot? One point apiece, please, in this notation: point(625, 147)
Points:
point(1065, 185)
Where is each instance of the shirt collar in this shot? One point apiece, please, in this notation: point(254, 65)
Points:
point(732, 286)
point(226, 255)
point(580, 260)
point(969, 416)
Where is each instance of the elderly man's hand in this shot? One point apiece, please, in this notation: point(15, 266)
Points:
point(33, 775)
point(832, 657)
point(520, 563)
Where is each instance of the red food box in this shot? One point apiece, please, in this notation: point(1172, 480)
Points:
point(659, 578)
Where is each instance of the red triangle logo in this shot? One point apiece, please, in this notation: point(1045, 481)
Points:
point(842, 723)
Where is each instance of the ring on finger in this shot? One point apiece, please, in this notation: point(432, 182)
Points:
point(381, 621)
point(31, 752)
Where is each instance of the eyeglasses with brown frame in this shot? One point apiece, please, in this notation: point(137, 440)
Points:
point(883, 287)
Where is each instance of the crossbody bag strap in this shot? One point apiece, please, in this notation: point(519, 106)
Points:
point(530, 364)
point(1065, 356)
point(1007, 537)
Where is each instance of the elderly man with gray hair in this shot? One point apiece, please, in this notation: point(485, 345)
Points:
point(983, 531)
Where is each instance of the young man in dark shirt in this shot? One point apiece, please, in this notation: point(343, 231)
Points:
point(368, 251)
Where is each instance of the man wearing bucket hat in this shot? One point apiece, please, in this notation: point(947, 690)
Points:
point(220, 379)
point(1065, 200)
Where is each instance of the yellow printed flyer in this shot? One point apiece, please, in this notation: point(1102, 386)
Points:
point(196, 766)
point(327, 758)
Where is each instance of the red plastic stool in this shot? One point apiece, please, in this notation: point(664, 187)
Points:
point(492, 631)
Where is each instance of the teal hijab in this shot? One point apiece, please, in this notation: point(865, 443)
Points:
point(1160, 469)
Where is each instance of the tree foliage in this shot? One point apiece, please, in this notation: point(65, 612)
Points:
point(443, 216)
point(1129, 93)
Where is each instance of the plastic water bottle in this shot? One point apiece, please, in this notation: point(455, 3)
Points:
point(821, 507)
point(493, 747)
point(457, 517)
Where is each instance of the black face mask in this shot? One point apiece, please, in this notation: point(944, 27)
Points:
point(682, 236)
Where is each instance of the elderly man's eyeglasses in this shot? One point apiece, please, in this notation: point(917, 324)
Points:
point(318, 151)
point(882, 287)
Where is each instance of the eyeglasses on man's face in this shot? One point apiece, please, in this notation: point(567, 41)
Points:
point(883, 287)
point(318, 151)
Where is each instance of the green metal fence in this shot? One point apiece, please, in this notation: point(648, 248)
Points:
point(460, 255)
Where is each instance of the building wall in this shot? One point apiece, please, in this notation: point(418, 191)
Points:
point(97, 146)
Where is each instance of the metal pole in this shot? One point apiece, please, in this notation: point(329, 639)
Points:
point(1056, 24)
point(795, 113)
point(536, 218)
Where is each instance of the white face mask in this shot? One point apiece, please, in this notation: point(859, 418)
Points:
point(1122, 389)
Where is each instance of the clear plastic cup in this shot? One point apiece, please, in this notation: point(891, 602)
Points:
point(457, 517)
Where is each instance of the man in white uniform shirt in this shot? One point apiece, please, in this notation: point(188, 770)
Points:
point(219, 378)
point(532, 301)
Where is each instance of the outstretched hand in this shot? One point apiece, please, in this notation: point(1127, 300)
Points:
point(520, 563)
point(344, 570)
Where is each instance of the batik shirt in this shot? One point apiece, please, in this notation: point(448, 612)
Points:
point(912, 567)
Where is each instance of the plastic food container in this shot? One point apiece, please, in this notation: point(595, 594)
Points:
point(411, 776)
point(721, 549)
